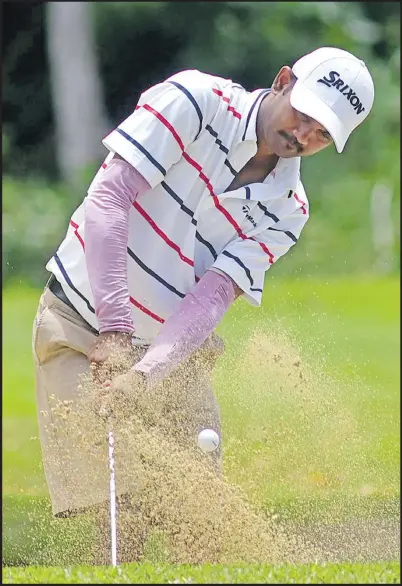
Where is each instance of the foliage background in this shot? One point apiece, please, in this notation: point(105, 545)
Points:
point(140, 43)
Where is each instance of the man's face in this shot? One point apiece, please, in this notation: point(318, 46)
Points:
point(284, 131)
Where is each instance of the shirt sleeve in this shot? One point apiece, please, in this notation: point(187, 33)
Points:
point(168, 117)
point(247, 260)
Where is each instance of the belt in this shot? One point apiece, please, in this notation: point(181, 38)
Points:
point(57, 289)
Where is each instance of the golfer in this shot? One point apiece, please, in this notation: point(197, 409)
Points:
point(199, 195)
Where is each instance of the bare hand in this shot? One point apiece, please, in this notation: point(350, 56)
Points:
point(214, 344)
point(111, 351)
point(119, 396)
point(211, 349)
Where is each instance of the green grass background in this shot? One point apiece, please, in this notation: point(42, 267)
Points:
point(381, 573)
point(304, 456)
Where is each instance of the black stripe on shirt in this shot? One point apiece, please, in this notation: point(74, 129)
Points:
point(267, 213)
point(241, 264)
point(222, 147)
point(217, 140)
point(174, 195)
point(276, 219)
point(143, 150)
point(231, 169)
point(207, 244)
point(251, 111)
point(69, 282)
point(248, 193)
point(193, 101)
point(289, 234)
point(154, 275)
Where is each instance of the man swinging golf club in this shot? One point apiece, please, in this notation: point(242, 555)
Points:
point(199, 195)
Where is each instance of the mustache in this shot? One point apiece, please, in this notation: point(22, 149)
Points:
point(293, 141)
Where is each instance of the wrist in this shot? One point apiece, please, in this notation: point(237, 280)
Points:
point(151, 371)
point(116, 334)
point(136, 373)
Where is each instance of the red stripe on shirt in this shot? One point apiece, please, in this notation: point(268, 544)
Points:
point(133, 301)
point(104, 165)
point(204, 178)
point(266, 250)
point(236, 114)
point(162, 234)
point(76, 226)
point(165, 123)
point(303, 207)
point(225, 99)
point(193, 163)
point(222, 209)
point(147, 311)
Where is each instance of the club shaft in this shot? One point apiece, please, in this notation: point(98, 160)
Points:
point(112, 499)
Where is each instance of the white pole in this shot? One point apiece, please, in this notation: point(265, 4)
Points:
point(113, 513)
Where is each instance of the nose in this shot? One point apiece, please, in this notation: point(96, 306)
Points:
point(302, 134)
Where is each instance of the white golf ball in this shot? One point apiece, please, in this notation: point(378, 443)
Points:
point(208, 440)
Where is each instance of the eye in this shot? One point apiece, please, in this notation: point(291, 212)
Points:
point(306, 118)
point(323, 134)
point(326, 135)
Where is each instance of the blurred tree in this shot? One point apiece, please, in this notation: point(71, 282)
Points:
point(138, 44)
point(77, 96)
point(26, 104)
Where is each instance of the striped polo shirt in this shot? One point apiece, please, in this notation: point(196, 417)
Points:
point(189, 137)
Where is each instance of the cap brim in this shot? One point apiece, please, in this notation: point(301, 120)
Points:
point(304, 100)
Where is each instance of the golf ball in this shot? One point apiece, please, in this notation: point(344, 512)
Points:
point(208, 440)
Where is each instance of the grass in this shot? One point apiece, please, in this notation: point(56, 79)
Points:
point(348, 330)
point(322, 448)
point(380, 573)
point(344, 438)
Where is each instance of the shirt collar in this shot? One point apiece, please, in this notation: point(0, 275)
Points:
point(282, 180)
point(248, 128)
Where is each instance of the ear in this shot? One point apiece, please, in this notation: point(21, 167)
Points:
point(282, 80)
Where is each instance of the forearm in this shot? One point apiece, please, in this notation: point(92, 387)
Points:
point(107, 209)
point(196, 317)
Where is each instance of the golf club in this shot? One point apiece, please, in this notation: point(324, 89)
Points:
point(112, 488)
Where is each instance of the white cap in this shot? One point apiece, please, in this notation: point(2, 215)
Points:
point(334, 88)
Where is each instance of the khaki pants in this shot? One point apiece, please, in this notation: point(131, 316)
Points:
point(74, 440)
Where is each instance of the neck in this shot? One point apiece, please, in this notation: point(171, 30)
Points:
point(264, 156)
point(268, 162)
point(263, 118)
